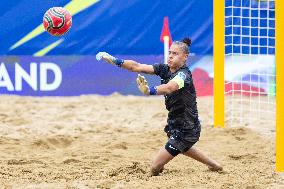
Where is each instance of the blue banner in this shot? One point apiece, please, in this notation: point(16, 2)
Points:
point(119, 27)
point(67, 76)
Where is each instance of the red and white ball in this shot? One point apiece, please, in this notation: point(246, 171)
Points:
point(57, 21)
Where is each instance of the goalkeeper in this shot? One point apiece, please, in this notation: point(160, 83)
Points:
point(183, 126)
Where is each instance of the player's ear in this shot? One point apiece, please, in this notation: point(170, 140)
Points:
point(185, 56)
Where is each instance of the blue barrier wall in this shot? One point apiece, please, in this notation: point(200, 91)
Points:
point(120, 27)
point(74, 75)
point(127, 29)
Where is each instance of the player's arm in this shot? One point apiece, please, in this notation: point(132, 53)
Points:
point(130, 65)
point(173, 85)
point(168, 88)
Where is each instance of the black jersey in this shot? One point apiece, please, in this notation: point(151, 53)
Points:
point(181, 104)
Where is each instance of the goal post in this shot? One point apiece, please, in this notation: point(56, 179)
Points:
point(279, 86)
point(219, 61)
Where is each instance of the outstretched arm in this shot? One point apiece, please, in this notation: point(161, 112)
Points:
point(130, 65)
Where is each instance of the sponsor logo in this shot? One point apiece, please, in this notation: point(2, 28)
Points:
point(38, 81)
point(182, 75)
point(170, 146)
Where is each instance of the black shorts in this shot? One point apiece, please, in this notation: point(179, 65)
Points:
point(175, 145)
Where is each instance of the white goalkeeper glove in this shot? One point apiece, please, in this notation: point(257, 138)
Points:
point(111, 59)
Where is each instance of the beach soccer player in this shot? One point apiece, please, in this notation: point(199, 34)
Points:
point(183, 126)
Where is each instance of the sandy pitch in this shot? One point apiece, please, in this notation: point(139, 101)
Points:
point(108, 142)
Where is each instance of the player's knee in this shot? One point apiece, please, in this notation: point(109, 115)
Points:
point(216, 168)
point(155, 170)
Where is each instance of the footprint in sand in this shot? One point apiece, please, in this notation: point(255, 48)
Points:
point(121, 145)
point(134, 169)
point(23, 162)
point(54, 142)
point(68, 161)
point(244, 156)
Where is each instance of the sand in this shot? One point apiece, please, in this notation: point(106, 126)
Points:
point(109, 142)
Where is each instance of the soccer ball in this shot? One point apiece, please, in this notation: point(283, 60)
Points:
point(57, 21)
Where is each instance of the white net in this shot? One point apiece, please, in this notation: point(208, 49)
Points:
point(249, 62)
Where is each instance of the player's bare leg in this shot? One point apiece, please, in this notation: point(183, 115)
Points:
point(161, 159)
point(196, 154)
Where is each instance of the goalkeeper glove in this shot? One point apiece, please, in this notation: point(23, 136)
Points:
point(111, 59)
point(143, 86)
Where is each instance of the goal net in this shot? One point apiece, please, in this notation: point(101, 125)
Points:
point(250, 62)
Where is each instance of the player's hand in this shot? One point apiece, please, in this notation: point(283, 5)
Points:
point(110, 59)
point(143, 85)
point(107, 57)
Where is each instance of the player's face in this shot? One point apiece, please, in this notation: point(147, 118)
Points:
point(177, 57)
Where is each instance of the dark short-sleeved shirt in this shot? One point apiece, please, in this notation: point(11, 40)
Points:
point(182, 106)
